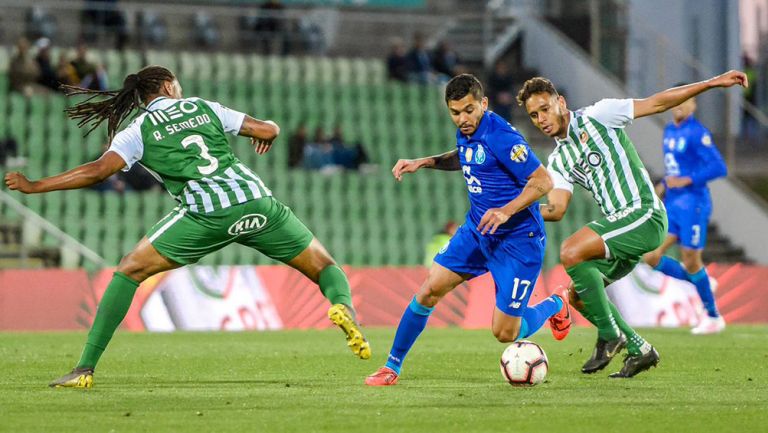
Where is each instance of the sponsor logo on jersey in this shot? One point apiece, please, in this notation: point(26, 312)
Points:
point(480, 154)
point(594, 159)
point(248, 224)
point(519, 153)
point(473, 183)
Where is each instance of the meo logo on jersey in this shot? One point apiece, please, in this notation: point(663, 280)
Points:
point(248, 224)
point(519, 153)
point(472, 180)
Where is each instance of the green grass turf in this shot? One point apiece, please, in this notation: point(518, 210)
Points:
point(307, 381)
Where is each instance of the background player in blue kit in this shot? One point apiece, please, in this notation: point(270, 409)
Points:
point(691, 160)
point(503, 232)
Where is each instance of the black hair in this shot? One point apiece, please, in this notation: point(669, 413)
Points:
point(533, 86)
point(120, 103)
point(462, 85)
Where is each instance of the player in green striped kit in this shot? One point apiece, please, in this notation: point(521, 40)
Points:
point(593, 150)
point(221, 201)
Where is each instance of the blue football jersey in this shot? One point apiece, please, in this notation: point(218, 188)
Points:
point(496, 162)
point(690, 152)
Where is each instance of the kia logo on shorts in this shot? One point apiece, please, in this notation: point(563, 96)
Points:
point(247, 224)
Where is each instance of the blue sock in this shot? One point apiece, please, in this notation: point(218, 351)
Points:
point(414, 321)
point(701, 281)
point(672, 267)
point(534, 317)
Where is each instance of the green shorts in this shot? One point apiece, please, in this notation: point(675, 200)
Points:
point(264, 224)
point(628, 235)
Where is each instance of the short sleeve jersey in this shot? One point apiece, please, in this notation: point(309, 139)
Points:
point(183, 142)
point(598, 155)
point(496, 162)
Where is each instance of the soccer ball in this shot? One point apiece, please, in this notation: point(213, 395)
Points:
point(524, 363)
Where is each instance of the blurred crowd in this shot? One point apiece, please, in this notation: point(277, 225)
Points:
point(327, 154)
point(32, 69)
point(418, 64)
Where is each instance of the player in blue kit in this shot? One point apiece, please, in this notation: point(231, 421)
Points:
point(691, 160)
point(503, 232)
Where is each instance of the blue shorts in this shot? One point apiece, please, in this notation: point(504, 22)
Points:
point(688, 220)
point(514, 263)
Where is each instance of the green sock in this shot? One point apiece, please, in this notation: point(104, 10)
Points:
point(636, 345)
point(111, 311)
point(589, 284)
point(335, 286)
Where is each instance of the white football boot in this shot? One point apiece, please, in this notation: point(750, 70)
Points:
point(709, 325)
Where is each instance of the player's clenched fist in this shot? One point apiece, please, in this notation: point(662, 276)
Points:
point(406, 166)
point(729, 79)
point(18, 182)
point(261, 146)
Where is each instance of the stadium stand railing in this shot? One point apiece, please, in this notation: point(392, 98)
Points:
point(364, 219)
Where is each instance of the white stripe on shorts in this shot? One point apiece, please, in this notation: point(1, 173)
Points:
point(167, 225)
point(628, 227)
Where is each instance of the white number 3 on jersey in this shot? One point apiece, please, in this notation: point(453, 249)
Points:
point(198, 140)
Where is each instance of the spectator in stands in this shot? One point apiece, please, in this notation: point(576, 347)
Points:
point(65, 72)
point(318, 153)
point(397, 62)
point(419, 62)
point(90, 75)
point(344, 155)
point(8, 151)
point(445, 61)
point(103, 17)
point(500, 84)
point(23, 71)
point(296, 146)
point(48, 76)
point(272, 28)
point(438, 241)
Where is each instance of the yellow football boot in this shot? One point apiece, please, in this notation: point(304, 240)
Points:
point(78, 378)
point(341, 316)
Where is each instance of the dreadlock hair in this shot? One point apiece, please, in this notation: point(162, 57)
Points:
point(120, 103)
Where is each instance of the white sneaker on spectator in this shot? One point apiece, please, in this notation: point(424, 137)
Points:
point(709, 325)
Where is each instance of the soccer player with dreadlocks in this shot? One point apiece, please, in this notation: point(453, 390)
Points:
point(221, 201)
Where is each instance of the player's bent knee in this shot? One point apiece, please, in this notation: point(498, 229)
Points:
point(506, 335)
point(569, 255)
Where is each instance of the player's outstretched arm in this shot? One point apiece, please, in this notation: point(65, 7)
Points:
point(79, 177)
point(539, 184)
point(261, 132)
point(557, 203)
point(445, 161)
point(663, 101)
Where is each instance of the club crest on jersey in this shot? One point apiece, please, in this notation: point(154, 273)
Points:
point(480, 154)
point(468, 155)
point(583, 137)
point(519, 153)
point(248, 224)
point(594, 159)
point(706, 140)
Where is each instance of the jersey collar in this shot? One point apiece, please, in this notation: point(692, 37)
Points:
point(571, 126)
point(685, 122)
point(159, 98)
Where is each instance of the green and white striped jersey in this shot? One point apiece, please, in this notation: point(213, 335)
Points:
point(598, 155)
point(183, 143)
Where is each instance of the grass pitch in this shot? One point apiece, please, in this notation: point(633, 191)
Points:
point(305, 381)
